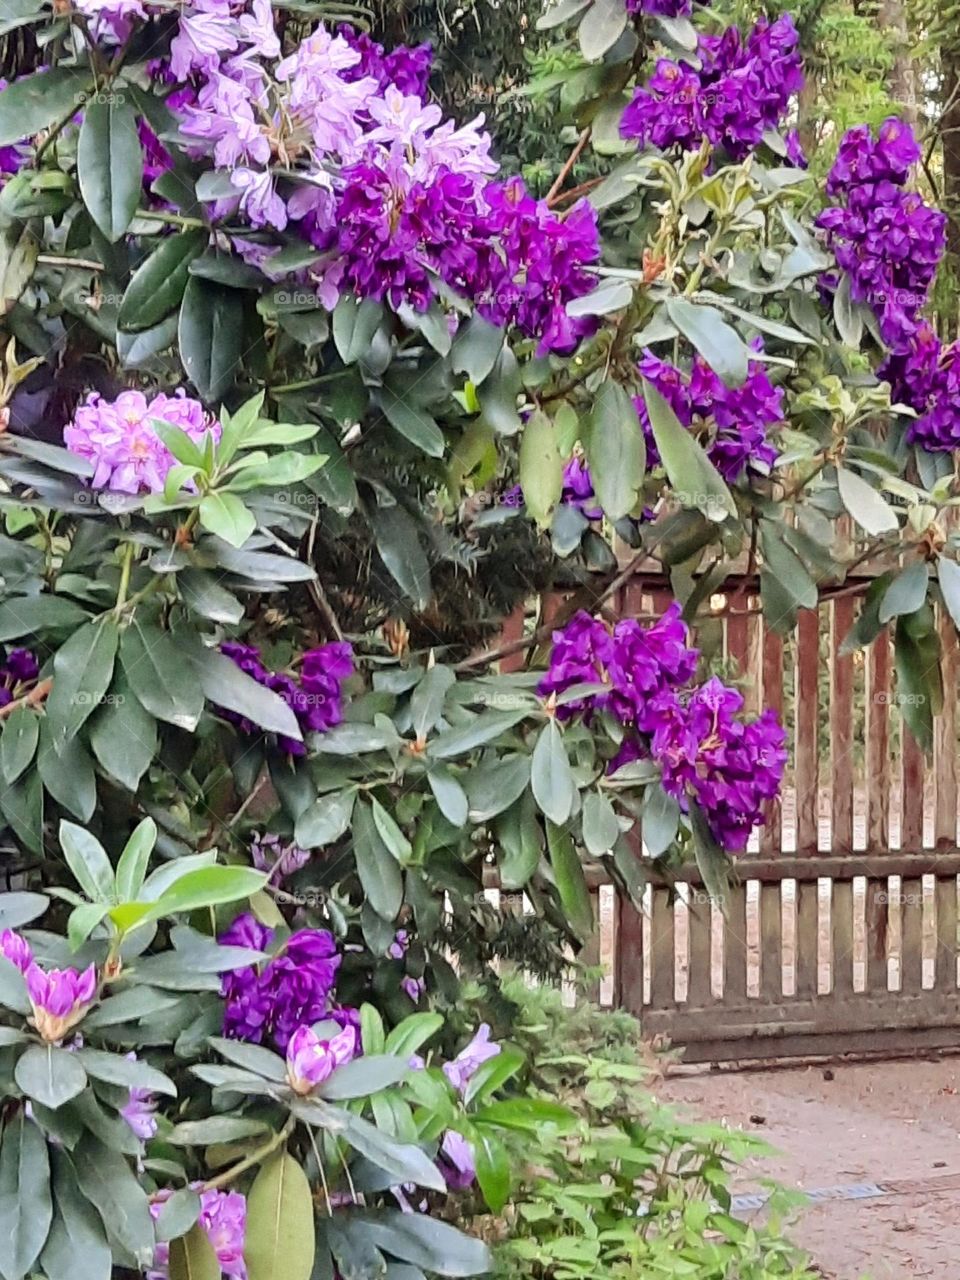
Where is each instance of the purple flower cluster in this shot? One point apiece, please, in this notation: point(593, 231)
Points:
point(119, 438)
point(223, 1218)
point(735, 420)
point(730, 766)
point(271, 1001)
point(886, 238)
point(19, 667)
point(316, 699)
point(741, 89)
point(281, 859)
point(140, 1110)
point(926, 377)
point(398, 200)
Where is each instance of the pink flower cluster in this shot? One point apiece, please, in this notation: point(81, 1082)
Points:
point(120, 439)
point(223, 1217)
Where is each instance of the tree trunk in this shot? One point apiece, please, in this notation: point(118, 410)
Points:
point(903, 77)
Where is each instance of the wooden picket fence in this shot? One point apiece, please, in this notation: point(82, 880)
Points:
point(840, 933)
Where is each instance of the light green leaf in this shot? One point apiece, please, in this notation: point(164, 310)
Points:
point(616, 451)
point(87, 859)
point(227, 516)
point(551, 777)
point(541, 468)
point(279, 1230)
point(132, 867)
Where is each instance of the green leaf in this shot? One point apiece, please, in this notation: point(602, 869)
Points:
point(137, 349)
point(77, 1247)
point(695, 480)
point(493, 787)
point(21, 908)
point(82, 671)
point(32, 103)
point(948, 573)
point(785, 582)
point(661, 819)
point(398, 542)
point(178, 1213)
point(114, 1068)
point(158, 283)
point(390, 833)
point(498, 395)
point(325, 820)
point(570, 880)
point(82, 922)
point(919, 682)
point(18, 13)
point(203, 594)
point(132, 867)
point(354, 324)
point(30, 615)
point(616, 451)
point(551, 777)
point(492, 1164)
point(216, 1129)
point(408, 1036)
point(403, 1161)
point(206, 887)
point(211, 337)
point(450, 796)
point(868, 507)
point(25, 1206)
point(110, 164)
point(717, 341)
point(481, 730)
point(412, 423)
point(713, 863)
point(601, 27)
point(49, 1075)
point(601, 830)
point(521, 843)
point(87, 859)
point(378, 870)
point(364, 1076)
point(22, 805)
point(252, 1057)
point(193, 1257)
point(426, 1241)
point(427, 699)
point(68, 775)
point(476, 347)
point(541, 468)
point(906, 593)
point(13, 987)
point(163, 683)
point(18, 744)
point(225, 685)
point(107, 1180)
point(122, 734)
point(279, 1231)
point(528, 1115)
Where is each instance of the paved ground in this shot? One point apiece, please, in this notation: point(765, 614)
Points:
point(895, 1124)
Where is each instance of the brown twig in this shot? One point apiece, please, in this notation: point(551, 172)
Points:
point(32, 699)
point(572, 158)
point(577, 191)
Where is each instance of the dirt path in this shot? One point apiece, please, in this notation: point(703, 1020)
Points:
point(894, 1124)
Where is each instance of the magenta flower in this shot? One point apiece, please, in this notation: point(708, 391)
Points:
point(413, 988)
point(311, 1060)
point(465, 1065)
point(59, 998)
point(16, 949)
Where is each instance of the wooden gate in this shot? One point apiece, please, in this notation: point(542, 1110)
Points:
point(840, 931)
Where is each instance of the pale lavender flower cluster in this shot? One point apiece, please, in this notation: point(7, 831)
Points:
point(223, 1218)
point(887, 239)
point(461, 1069)
point(741, 89)
point(59, 998)
point(730, 766)
point(120, 439)
point(269, 1002)
point(734, 420)
point(280, 858)
point(140, 1109)
point(316, 699)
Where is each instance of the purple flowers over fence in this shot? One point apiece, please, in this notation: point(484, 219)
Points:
point(706, 753)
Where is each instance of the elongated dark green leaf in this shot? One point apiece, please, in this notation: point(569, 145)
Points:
point(122, 734)
point(115, 1068)
point(325, 820)
point(163, 683)
point(492, 1164)
point(68, 774)
point(82, 671)
point(28, 615)
point(615, 450)
point(225, 685)
point(919, 682)
point(354, 324)
point(211, 336)
point(22, 806)
point(571, 882)
point(427, 699)
point(713, 337)
point(138, 349)
point(428, 1242)
point(17, 909)
point(541, 467)
point(204, 1133)
point(906, 593)
point(378, 870)
point(132, 865)
point(486, 727)
point(521, 843)
point(712, 862)
point(551, 777)
point(948, 573)
point(601, 27)
point(193, 1257)
point(366, 1075)
point(25, 1206)
point(158, 283)
point(600, 827)
point(493, 787)
point(661, 818)
point(412, 422)
point(110, 164)
point(398, 541)
point(279, 1231)
point(695, 480)
point(18, 745)
point(77, 1247)
point(203, 593)
point(34, 102)
point(450, 796)
point(50, 1075)
point(498, 395)
point(87, 859)
point(475, 348)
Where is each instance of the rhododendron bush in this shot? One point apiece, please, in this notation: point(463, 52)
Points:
point(302, 394)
